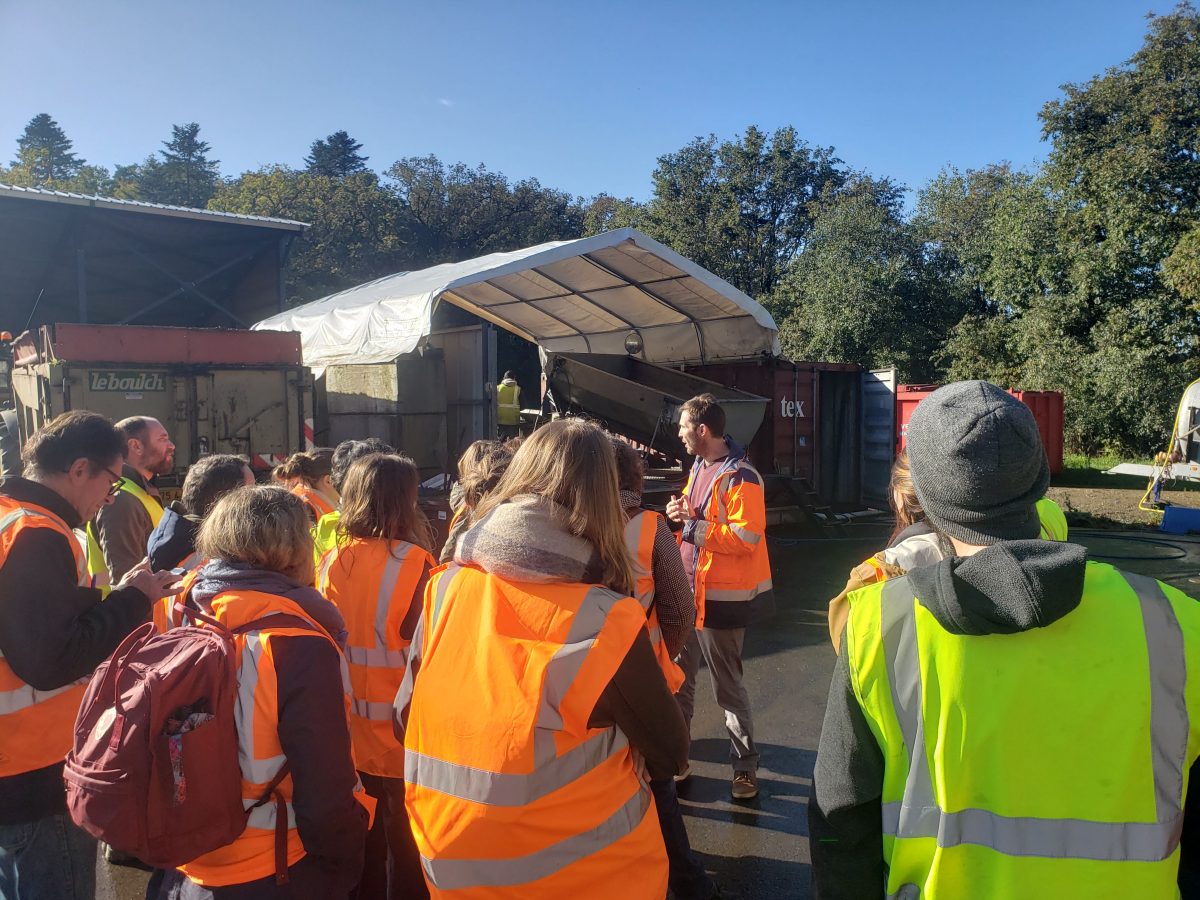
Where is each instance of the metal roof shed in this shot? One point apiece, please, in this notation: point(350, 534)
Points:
point(68, 257)
point(581, 296)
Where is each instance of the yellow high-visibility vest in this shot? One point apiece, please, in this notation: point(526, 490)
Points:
point(96, 564)
point(1047, 763)
point(508, 403)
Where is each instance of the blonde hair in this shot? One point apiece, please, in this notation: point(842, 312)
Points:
point(262, 526)
point(570, 462)
point(902, 496)
point(471, 457)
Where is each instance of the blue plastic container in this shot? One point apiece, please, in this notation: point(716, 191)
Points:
point(1180, 520)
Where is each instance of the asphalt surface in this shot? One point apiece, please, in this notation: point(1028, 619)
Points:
point(759, 849)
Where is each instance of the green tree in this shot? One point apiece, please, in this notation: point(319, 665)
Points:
point(457, 212)
point(741, 208)
point(335, 156)
point(357, 227)
point(1084, 274)
point(185, 176)
point(859, 291)
point(605, 212)
point(44, 152)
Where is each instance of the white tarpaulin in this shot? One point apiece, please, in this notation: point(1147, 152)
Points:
point(583, 296)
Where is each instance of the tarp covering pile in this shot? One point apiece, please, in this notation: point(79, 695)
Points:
point(581, 296)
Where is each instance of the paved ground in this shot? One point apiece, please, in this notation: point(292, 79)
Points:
point(759, 850)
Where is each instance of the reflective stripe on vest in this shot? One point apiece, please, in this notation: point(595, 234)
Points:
point(919, 816)
point(260, 757)
point(316, 501)
point(639, 541)
point(36, 730)
point(460, 874)
point(561, 796)
point(374, 584)
point(724, 577)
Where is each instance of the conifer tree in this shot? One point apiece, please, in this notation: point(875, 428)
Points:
point(44, 152)
point(336, 156)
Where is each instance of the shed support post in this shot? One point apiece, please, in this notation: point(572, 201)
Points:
point(81, 283)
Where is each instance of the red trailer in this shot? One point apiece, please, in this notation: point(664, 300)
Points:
point(1047, 407)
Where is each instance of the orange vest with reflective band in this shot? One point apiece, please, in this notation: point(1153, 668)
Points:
point(165, 616)
point(509, 792)
point(639, 541)
point(317, 502)
point(36, 727)
point(731, 541)
point(260, 756)
point(373, 582)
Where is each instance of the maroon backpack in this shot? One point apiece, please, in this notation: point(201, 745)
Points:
point(154, 770)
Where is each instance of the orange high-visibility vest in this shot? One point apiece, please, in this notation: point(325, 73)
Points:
point(317, 502)
point(509, 793)
point(163, 610)
point(639, 540)
point(260, 756)
point(731, 540)
point(373, 582)
point(36, 727)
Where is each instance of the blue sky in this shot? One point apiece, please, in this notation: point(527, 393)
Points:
point(584, 97)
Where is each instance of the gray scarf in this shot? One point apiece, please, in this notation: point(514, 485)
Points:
point(223, 575)
point(526, 539)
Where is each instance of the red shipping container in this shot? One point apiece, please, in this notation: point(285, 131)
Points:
point(1047, 407)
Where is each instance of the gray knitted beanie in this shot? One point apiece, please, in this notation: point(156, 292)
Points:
point(977, 463)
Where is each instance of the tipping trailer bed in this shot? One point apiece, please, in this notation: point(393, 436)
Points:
point(641, 400)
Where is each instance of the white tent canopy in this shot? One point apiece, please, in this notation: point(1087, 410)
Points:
point(582, 296)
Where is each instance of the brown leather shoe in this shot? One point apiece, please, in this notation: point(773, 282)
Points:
point(745, 786)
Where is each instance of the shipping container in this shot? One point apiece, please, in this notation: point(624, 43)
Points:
point(814, 424)
point(1047, 407)
point(215, 390)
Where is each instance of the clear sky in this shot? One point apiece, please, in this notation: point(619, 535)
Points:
point(583, 97)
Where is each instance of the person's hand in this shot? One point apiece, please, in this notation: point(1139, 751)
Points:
point(680, 509)
point(154, 585)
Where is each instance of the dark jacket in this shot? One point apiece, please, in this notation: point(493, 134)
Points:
point(174, 540)
point(313, 730)
point(1009, 588)
point(123, 526)
point(52, 631)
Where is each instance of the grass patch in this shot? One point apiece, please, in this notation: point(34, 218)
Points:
point(1088, 471)
point(1083, 471)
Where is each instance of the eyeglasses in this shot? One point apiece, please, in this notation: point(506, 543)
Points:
point(118, 482)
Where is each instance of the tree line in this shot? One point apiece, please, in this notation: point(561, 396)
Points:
point(1082, 275)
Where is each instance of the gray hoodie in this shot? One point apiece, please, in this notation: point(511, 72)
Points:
point(1010, 587)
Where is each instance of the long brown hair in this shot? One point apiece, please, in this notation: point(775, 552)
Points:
point(902, 496)
point(570, 462)
point(379, 500)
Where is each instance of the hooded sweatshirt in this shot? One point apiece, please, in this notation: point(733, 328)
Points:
point(174, 538)
point(1007, 588)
